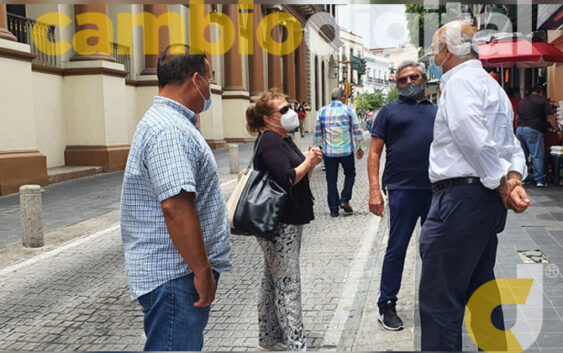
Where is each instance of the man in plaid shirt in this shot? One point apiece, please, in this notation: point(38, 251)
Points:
point(174, 223)
point(338, 133)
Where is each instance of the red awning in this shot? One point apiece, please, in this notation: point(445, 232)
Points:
point(558, 42)
point(520, 52)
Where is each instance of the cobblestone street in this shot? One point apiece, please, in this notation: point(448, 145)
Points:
point(72, 294)
point(126, 127)
point(75, 297)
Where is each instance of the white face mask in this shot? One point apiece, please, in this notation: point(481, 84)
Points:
point(289, 121)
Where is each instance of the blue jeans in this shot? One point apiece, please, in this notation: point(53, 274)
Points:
point(331, 165)
point(532, 143)
point(172, 322)
point(405, 208)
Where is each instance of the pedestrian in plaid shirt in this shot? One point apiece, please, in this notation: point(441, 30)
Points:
point(174, 222)
point(338, 133)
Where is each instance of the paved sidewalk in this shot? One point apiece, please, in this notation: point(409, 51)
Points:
point(74, 201)
point(540, 227)
point(73, 295)
point(64, 204)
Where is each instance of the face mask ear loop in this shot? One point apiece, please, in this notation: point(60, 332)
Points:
point(198, 91)
point(446, 59)
point(204, 80)
point(269, 123)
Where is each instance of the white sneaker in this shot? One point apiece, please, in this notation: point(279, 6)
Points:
point(541, 185)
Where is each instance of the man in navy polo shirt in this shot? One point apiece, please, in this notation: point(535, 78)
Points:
point(405, 127)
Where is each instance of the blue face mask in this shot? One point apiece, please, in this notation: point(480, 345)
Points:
point(207, 102)
point(435, 69)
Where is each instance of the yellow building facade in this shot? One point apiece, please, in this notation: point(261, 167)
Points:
point(81, 109)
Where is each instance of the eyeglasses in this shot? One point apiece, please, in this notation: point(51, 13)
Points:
point(283, 109)
point(413, 77)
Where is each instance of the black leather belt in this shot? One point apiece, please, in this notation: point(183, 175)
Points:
point(448, 183)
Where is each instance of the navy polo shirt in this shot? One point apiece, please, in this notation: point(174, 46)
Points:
point(407, 129)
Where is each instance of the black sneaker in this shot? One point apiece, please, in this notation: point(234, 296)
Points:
point(334, 214)
point(389, 318)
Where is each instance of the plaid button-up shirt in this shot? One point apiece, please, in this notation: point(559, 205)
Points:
point(168, 154)
point(337, 130)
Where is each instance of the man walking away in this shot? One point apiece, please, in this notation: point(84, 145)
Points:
point(405, 128)
point(338, 133)
point(174, 222)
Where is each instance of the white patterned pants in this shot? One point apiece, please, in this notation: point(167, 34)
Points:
point(279, 309)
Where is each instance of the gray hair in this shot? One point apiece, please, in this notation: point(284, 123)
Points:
point(411, 63)
point(459, 40)
point(337, 93)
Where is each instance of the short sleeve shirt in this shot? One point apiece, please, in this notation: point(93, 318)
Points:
point(168, 154)
point(533, 111)
point(406, 127)
point(279, 157)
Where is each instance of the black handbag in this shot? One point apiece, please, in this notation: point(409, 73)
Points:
point(258, 209)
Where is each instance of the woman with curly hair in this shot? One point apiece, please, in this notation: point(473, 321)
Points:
point(279, 309)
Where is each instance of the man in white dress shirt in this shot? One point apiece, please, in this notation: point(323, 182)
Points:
point(476, 167)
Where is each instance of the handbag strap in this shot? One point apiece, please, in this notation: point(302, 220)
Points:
point(258, 139)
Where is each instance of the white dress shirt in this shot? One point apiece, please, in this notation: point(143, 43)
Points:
point(473, 134)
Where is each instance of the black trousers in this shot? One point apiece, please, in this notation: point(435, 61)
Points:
point(458, 245)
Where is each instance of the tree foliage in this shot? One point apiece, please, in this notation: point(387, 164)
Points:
point(422, 18)
point(393, 94)
point(372, 101)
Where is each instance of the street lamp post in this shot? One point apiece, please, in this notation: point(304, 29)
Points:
point(335, 71)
